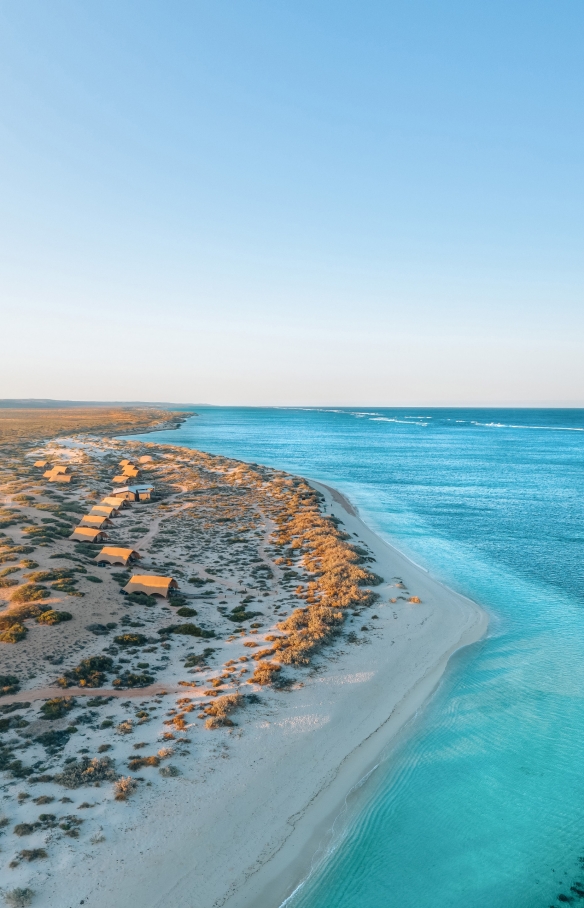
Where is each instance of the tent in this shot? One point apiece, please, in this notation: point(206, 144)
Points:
point(151, 584)
point(95, 520)
point(88, 534)
point(105, 510)
point(113, 555)
point(115, 502)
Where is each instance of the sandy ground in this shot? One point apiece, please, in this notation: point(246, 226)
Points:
point(239, 826)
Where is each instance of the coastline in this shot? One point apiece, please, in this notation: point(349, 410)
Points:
point(271, 885)
point(239, 823)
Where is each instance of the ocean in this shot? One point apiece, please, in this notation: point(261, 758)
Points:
point(480, 802)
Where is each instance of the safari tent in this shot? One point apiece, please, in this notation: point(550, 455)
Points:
point(151, 584)
point(106, 510)
point(145, 459)
point(60, 477)
point(41, 464)
point(113, 555)
point(116, 502)
point(88, 534)
point(95, 520)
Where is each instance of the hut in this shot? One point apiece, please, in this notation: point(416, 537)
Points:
point(123, 463)
point(41, 464)
point(60, 477)
point(113, 555)
point(99, 521)
point(118, 502)
point(131, 472)
point(106, 510)
point(151, 584)
point(119, 479)
point(88, 534)
point(145, 459)
point(134, 493)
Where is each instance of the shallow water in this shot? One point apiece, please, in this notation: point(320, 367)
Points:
point(481, 804)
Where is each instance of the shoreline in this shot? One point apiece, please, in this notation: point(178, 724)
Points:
point(275, 882)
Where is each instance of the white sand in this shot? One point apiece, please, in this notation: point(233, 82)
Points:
point(240, 826)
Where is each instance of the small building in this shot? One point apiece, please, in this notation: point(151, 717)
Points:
point(131, 472)
point(106, 510)
point(58, 468)
point(145, 459)
point(134, 493)
point(41, 464)
point(88, 534)
point(111, 554)
point(60, 477)
point(118, 502)
point(119, 479)
point(123, 463)
point(95, 520)
point(151, 584)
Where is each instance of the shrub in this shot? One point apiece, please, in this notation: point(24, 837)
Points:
point(218, 711)
point(192, 630)
point(200, 659)
point(30, 592)
point(86, 772)
point(265, 673)
point(9, 684)
point(131, 640)
point(14, 633)
point(23, 829)
point(90, 672)
point(18, 898)
point(125, 728)
point(7, 582)
point(186, 612)
point(135, 763)
point(53, 617)
point(124, 787)
point(169, 771)
point(57, 707)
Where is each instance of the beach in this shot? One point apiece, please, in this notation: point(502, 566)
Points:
point(250, 802)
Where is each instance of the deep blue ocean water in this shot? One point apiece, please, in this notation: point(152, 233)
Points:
point(481, 803)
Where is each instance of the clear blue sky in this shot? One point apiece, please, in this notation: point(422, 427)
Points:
point(292, 202)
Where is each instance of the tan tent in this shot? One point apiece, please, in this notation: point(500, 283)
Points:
point(95, 520)
point(119, 479)
point(60, 477)
point(145, 459)
point(124, 462)
point(151, 584)
point(113, 555)
point(88, 534)
point(41, 463)
point(105, 510)
point(58, 468)
point(131, 472)
point(115, 502)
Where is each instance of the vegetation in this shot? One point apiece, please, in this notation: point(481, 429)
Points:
point(90, 672)
point(53, 617)
point(57, 707)
point(9, 684)
point(87, 771)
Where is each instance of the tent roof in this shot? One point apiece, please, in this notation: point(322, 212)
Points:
point(114, 550)
point(153, 580)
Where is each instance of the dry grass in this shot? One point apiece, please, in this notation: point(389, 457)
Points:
point(37, 423)
point(125, 787)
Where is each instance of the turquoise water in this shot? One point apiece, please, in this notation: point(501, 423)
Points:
point(481, 804)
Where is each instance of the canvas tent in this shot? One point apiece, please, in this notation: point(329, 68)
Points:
point(60, 477)
point(115, 502)
point(145, 459)
point(95, 520)
point(113, 555)
point(88, 534)
point(41, 463)
point(106, 510)
point(151, 584)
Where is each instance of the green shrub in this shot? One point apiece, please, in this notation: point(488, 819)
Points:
point(53, 617)
point(131, 640)
point(86, 772)
point(30, 592)
point(57, 707)
point(90, 672)
point(9, 684)
point(13, 634)
point(191, 630)
point(186, 612)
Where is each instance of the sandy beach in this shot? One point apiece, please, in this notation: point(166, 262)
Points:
point(252, 802)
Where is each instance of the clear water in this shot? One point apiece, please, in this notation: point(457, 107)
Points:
point(481, 804)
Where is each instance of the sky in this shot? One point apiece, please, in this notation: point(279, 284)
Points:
point(292, 202)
